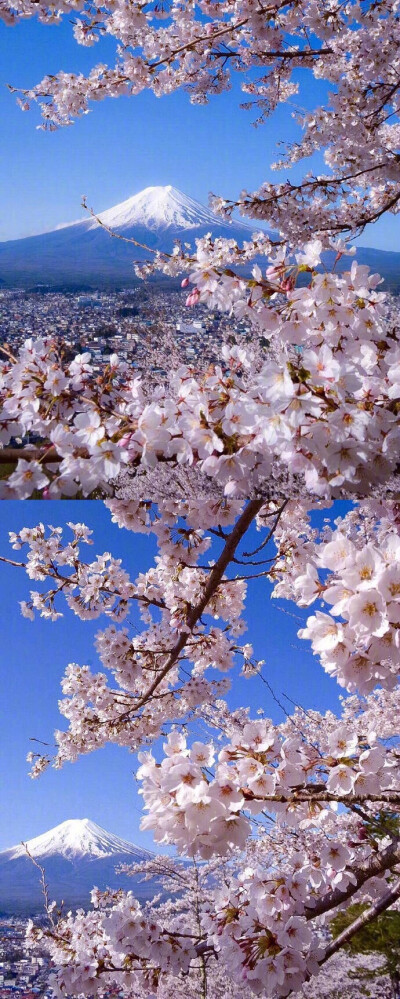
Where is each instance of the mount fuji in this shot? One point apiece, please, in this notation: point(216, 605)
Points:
point(76, 856)
point(83, 252)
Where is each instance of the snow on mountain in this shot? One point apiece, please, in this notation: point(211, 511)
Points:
point(157, 208)
point(76, 855)
point(77, 839)
point(82, 252)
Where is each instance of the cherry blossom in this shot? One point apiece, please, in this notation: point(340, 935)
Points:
point(326, 413)
point(280, 823)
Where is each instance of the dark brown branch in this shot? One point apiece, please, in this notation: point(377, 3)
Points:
point(10, 561)
point(11, 454)
point(240, 528)
point(300, 54)
point(270, 532)
point(366, 917)
point(373, 867)
point(392, 797)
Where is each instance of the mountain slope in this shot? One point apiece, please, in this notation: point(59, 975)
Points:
point(83, 251)
point(160, 208)
point(76, 856)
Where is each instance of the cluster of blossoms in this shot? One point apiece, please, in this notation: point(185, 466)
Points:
point(90, 588)
point(100, 944)
point(359, 578)
point(324, 403)
point(298, 819)
point(121, 924)
point(258, 768)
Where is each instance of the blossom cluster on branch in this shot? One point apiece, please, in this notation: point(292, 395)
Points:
point(302, 815)
point(323, 402)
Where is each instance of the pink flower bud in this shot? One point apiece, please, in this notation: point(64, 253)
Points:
point(193, 298)
point(125, 440)
point(185, 282)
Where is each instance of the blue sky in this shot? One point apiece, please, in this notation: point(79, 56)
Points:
point(129, 143)
point(100, 786)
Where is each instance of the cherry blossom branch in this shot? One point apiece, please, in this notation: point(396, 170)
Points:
point(10, 561)
point(392, 797)
point(194, 613)
point(44, 886)
point(375, 910)
point(375, 865)
point(46, 454)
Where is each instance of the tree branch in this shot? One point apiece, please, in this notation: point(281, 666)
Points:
point(374, 866)
point(366, 917)
point(240, 528)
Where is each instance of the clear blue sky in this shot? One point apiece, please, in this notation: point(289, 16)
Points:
point(129, 143)
point(100, 786)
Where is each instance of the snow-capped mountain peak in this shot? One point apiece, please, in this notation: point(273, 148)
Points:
point(76, 839)
point(75, 855)
point(158, 209)
point(82, 252)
